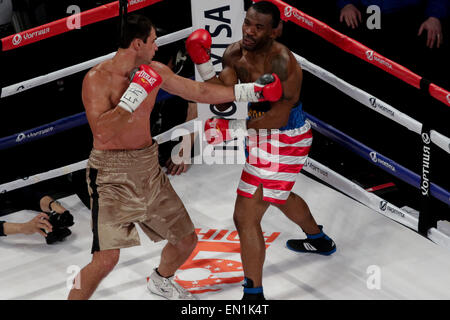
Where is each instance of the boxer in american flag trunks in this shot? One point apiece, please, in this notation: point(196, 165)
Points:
point(278, 139)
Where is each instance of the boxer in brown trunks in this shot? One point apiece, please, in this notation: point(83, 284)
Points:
point(125, 182)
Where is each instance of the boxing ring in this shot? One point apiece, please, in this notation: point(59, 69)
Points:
point(389, 260)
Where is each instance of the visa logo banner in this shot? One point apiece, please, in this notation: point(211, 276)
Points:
point(223, 20)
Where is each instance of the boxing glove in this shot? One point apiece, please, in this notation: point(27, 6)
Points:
point(143, 81)
point(198, 46)
point(266, 88)
point(218, 130)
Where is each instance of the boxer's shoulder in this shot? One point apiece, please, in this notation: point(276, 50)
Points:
point(233, 53)
point(99, 75)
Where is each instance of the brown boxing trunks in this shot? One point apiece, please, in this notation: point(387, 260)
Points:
point(128, 187)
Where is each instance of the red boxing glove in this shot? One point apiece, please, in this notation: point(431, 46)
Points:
point(143, 81)
point(218, 130)
point(198, 45)
point(266, 88)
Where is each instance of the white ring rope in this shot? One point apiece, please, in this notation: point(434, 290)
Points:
point(20, 183)
point(28, 84)
point(188, 127)
point(372, 201)
point(175, 132)
point(315, 168)
point(373, 102)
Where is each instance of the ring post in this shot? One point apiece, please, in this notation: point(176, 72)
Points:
point(427, 218)
point(123, 13)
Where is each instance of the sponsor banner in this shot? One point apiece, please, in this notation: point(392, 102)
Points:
point(60, 26)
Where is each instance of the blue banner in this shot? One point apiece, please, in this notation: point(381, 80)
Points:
point(56, 127)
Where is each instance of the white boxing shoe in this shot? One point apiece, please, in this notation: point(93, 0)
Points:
point(167, 288)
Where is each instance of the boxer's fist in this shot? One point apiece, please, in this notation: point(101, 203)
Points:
point(266, 88)
point(143, 81)
point(218, 130)
point(198, 46)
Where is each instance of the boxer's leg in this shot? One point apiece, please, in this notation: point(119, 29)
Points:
point(103, 262)
point(247, 217)
point(297, 210)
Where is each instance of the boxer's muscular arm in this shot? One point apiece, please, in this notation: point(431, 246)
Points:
point(290, 74)
point(105, 122)
point(192, 90)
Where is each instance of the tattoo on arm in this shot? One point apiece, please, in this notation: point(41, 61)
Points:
point(280, 67)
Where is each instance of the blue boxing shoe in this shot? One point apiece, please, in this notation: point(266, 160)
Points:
point(318, 243)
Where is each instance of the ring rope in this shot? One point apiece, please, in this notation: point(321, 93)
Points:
point(175, 132)
point(37, 81)
point(360, 149)
point(51, 29)
point(289, 13)
point(376, 158)
point(371, 200)
point(55, 127)
point(373, 102)
point(312, 166)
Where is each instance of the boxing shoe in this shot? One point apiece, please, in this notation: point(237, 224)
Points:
point(167, 287)
point(250, 292)
point(316, 243)
point(57, 235)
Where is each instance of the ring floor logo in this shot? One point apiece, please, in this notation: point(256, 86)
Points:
point(215, 262)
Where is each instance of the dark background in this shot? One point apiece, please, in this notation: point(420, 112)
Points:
point(397, 40)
